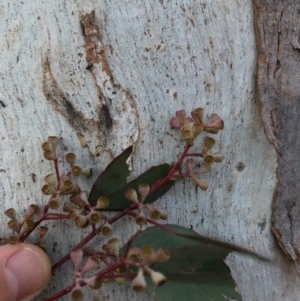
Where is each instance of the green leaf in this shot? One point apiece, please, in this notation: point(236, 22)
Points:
point(196, 270)
point(113, 178)
point(112, 183)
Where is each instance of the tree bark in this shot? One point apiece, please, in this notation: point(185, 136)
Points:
point(278, 92)
point(103, 75)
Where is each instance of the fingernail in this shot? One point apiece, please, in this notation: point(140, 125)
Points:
point(28, 272)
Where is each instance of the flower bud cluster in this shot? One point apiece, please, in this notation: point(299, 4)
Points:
point(144, 209)
point(18, 227)
point(79, 210)
point(56, 189)
point(143, 258)
point(75, 169)
point(194, 169)
point(49, 148)
point(58, 185)
point(112, 247)
point(191, 127)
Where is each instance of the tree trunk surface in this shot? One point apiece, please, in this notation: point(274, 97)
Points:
point(103, 75)
point(277, 30)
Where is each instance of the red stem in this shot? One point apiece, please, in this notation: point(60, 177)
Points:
point(44, 216)
point(61, 293)
point(56, 216)
point(91, 235)
point(111, 268)
point(175, 168)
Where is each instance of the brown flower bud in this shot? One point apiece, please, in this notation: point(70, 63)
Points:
point(28, 225)
point(208, 143)
point(141, 219)
point(48, 189)
point(187, 136)
point(73, 214)
point(106, 229)
point(154, 213)
point(53, 140)
point(51, 179)
point(70, 158)
point(76, 170)
point(81, 221)
point(53, 203)
point(208, 159)
point(113, 246)
point(102, 202)
point(66, 187)
point(79, 200)
point(94, 217)
point(214, 124)
point(49, 155)
point(77, 294)
point(147, 254)
point(197, 129)
point(67, 207)
point(32, 210)
point(131, 195)
point(197, 115)
point(133, 255)
point(46, 146)
point(14, 225)
point(11, 213)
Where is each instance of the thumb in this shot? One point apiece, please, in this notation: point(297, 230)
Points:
point(25, 271)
